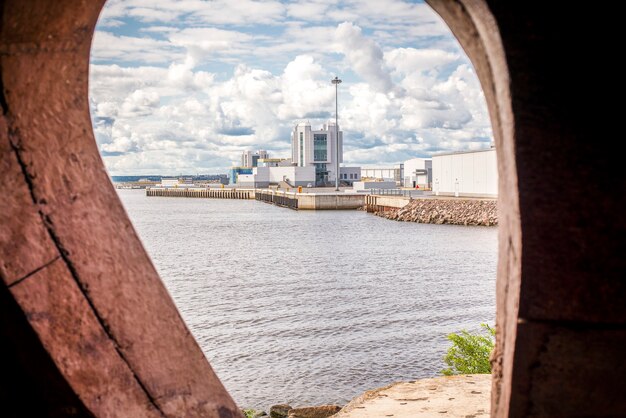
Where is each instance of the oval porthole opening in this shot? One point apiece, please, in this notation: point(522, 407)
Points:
point(175, 99)
point(77, 266)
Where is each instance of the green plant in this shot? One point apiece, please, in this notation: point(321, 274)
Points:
point(249, 413)
point(470, 352)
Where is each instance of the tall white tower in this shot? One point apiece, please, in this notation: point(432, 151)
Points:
point(318, 148)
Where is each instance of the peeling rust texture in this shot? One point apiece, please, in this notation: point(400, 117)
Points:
point(64, 254)
point(66, 245)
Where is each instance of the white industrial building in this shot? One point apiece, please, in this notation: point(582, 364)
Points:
point(295, 176)
point(394, 173)
point(467, 173)
point(169, 182)
point(313, 161)
point(262, 177)
point(317, 149)
point(349, 174)
point(418, 172)
point(251, 159)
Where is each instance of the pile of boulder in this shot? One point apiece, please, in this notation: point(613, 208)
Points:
point(446, 211)
point(286, 411)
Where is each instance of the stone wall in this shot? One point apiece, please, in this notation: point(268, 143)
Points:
point(446, 211)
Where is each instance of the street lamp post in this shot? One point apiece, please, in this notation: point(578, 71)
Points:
point(336, 82)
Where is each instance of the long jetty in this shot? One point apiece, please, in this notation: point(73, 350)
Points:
point(292, 200)
point(200, 192)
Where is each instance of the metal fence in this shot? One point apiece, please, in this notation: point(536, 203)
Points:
point(197, 192)
point(395, 192)
point(278, 199)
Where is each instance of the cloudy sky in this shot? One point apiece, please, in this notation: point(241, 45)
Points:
point(183, 86)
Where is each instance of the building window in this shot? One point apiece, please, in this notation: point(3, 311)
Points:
point(320, 147)
point(301, 149)
point(321, 174)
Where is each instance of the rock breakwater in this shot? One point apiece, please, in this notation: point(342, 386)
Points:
point(284, 410)
point(446, 211)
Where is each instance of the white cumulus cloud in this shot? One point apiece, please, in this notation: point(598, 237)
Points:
point(185, 86)
point(363, 56)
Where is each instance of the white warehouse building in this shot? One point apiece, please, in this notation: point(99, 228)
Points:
point(467, 173)
point(418, 172)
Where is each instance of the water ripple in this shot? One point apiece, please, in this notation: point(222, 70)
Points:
point(315, 307)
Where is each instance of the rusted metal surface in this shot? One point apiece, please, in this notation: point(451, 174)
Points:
point(72, 260)
point(560, 284)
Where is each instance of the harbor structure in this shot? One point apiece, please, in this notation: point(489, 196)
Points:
point(235, 172)
point(418, 173)
point(292, 200)
point(288, 176)
point(274, 162)
point(321, 149)
point(315, 157)
point(349, 175)
point(251, 159)
point(175, 181)
point(466, 174)
point(393, 173)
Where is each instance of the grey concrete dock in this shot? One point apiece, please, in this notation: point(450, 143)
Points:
point(327, 200)
point(312, 201)
point(225, 193)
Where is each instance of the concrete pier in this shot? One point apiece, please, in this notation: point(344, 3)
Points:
point(284, 199)
point(292, 200)
point(330, 201)
point(376, 203)
point(201, 192)
point(312, 201)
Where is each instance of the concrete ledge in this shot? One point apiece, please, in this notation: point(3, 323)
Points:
point(330, 201)
point(446, 396)
point(375, 203)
